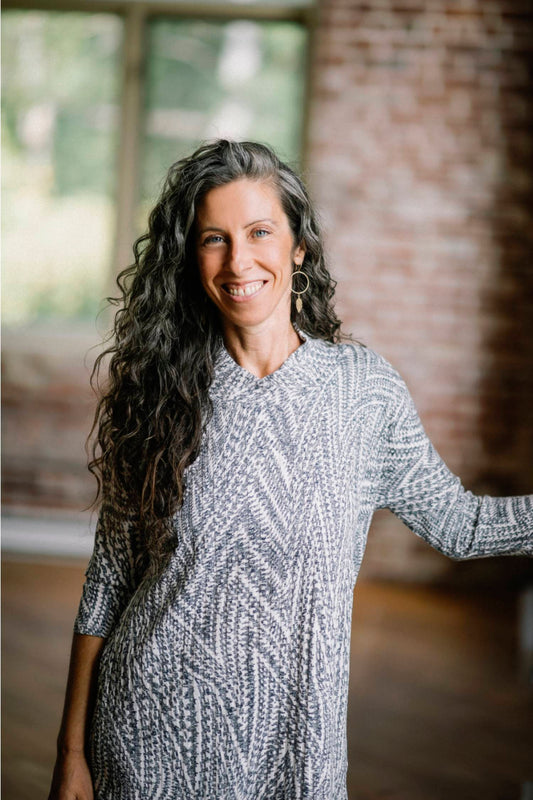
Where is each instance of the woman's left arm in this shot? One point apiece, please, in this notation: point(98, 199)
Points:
point(419, 488)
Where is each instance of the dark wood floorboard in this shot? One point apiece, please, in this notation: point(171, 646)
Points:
point(437, 708)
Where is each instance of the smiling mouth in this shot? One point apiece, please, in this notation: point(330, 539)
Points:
point(243, 290)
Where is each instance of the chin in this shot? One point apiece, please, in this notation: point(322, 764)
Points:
point(245, 316)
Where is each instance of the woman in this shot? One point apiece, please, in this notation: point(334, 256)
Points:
point(243, 448)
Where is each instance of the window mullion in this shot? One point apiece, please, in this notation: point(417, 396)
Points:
point(130, 134)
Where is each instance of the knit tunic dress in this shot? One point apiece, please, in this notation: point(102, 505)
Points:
point(226, 678)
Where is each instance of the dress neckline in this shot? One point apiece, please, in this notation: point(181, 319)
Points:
point(227, 355)
point(231, 380)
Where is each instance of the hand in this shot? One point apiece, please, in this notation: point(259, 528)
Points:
point(71, 779)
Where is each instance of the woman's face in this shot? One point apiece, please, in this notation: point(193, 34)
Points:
point(245, 253)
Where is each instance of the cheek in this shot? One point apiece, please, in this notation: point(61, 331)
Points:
point(279, 258)
point(205, 271)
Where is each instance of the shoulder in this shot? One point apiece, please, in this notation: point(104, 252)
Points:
point(363, 387)
point(367, 369)
point(373, 384)
point(359, 373)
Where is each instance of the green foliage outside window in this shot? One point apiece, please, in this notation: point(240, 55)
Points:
point(60, 111)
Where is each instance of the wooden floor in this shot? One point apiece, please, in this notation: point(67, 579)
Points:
point(438, 709)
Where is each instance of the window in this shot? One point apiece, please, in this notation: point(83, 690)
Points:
point(88, 138)
point(60, 114)
point(242, 79)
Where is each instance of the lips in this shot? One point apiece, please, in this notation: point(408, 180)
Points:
point(247, 289)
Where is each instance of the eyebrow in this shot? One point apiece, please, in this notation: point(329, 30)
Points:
point(248, 225)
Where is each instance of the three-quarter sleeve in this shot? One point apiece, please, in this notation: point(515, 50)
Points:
point(418, 487)
point(112, 572)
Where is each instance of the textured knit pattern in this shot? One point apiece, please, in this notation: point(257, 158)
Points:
point(227, 676)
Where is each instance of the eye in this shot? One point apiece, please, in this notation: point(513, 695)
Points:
point(215, 238)
point(259, 232)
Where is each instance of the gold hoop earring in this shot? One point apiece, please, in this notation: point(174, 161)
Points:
point(299, 303)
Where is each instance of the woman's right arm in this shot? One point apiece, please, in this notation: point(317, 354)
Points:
point(71, 779)
point(110, 579)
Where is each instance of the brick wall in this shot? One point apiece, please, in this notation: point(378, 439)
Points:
point(420, 156)
point(47, 410)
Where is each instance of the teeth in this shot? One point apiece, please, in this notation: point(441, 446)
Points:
point(251, 288)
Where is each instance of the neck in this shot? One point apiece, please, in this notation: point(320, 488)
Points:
point(261, 350)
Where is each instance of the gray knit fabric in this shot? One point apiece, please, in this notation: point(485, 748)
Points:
point(227, 677)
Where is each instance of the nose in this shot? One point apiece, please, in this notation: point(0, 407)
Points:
point(237, 260)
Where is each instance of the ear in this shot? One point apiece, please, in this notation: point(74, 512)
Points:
point(299, 254)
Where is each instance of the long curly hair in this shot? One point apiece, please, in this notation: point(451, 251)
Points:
point(155, 403)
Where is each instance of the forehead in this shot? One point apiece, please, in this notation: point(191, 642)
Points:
point(240, 199)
